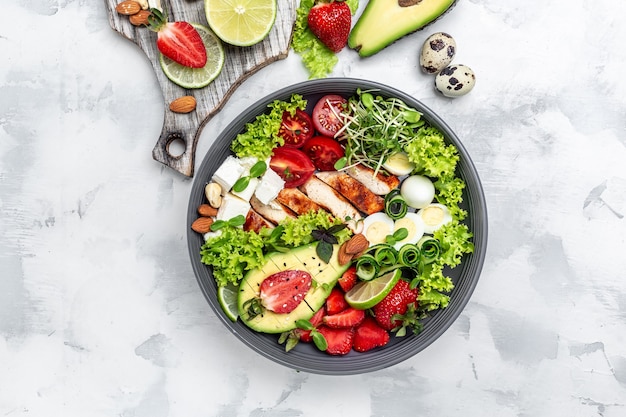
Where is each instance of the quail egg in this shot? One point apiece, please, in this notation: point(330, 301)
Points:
point(418, 191)
point(437, 52)
point(455, 80)
point(377, 227)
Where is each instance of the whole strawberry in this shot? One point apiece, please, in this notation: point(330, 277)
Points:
point(397, 311)
point(330, 21)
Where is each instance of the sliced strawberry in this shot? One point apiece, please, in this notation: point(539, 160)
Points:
point(316, 320)
point(283, 291)
point(336, 301)
point(348, 279)
point(179, 41)
point(349, 317)
point(369, 335)
point(330, 21)
point(339, 340)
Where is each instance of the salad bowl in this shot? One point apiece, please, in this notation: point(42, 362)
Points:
point(305, 356)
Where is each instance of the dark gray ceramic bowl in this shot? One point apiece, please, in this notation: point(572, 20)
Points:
point(305, 357)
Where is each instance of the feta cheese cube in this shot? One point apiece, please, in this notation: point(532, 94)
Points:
point(269, 187)
point(228, 173)
point(232, 206)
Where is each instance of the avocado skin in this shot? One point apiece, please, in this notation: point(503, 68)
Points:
point(325, 276)
point(384, 21)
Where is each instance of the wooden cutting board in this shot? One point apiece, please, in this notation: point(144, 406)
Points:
point(240, 63)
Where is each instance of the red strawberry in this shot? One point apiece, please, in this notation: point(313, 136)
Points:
point(336, 301)
point(330, 21)
point(348, 279)
point(369, 335)
point(316, 320)
point(396, 311)
point(283, 291)
point(349, 317)
point(179, 41)
point(339, 340)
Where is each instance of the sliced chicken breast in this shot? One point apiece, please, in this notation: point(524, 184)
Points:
point(380, 183)
point(274, 211)
point(354, 190)
point(297, 201)
point(326, 196)
point(255, 222)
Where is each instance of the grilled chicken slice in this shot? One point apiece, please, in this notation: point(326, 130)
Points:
point(255, 222)
point(380, 183)
point(358, 194)
point(297, 201)
point(274, 211)
point(326, 196)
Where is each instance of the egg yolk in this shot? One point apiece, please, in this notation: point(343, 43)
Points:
point(377, 232)
point(433, 215)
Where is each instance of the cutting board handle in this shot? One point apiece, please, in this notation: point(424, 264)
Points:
point(239, 64)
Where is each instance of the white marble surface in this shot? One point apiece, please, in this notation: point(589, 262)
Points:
point(100, 313)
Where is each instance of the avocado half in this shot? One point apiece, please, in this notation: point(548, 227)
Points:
point(385, 21)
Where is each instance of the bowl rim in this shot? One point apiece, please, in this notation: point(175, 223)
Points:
point(358, 363)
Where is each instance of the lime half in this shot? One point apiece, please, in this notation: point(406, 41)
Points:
point(187, 77)
point(241, 22)
point(227, 297)
point(367, 294)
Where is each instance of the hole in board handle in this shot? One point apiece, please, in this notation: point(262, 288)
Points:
point(175, 145)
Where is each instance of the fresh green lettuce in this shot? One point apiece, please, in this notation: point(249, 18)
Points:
point(429, 152)
point(261, 135)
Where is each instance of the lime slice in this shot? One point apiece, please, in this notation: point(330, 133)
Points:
point(187, 77)
point(367, 294)
point(227, 297)
point(240, 22)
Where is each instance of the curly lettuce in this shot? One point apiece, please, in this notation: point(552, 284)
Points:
point(261, 135)
point(431, 155)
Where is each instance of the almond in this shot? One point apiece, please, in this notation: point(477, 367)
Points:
point(184, 104)
point(206, 210)
point(128, 7)
point(140, 18)
point(343, 257)
point(202, 225)
point(357, 244)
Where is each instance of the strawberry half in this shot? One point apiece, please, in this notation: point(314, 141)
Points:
point(330, 21)
point(349, 317)
point(348, 279)
point(179, 41)
point(283, 291)
point(369, 335)
point(339, 340)
point(316, 320)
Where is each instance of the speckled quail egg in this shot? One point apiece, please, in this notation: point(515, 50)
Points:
point(455, 80)
point(437, 52)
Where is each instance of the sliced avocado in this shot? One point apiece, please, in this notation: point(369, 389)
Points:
point(304, 258)
point(385, 21)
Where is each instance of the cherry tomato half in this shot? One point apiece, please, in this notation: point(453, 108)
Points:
point(296, 129)
point(325, 114)
point(324, 152)
point(292, 165)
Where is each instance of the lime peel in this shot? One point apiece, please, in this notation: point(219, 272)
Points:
point(366, 294)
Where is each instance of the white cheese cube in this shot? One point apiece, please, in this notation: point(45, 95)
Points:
point(228, 173)
point(232, 206)
point(269, 187)
point(249, 190)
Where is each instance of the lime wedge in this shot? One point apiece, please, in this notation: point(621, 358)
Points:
point(187, 77)
point(241, 22)
point(227, 297)
point(367, 294)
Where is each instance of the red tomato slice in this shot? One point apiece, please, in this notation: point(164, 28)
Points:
point(325, 114)
point(324, 152)
point(296, 129)
point(293, 166)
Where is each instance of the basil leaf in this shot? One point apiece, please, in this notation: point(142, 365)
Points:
point(336, 228)
point(324, 250)
point(258, 169)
